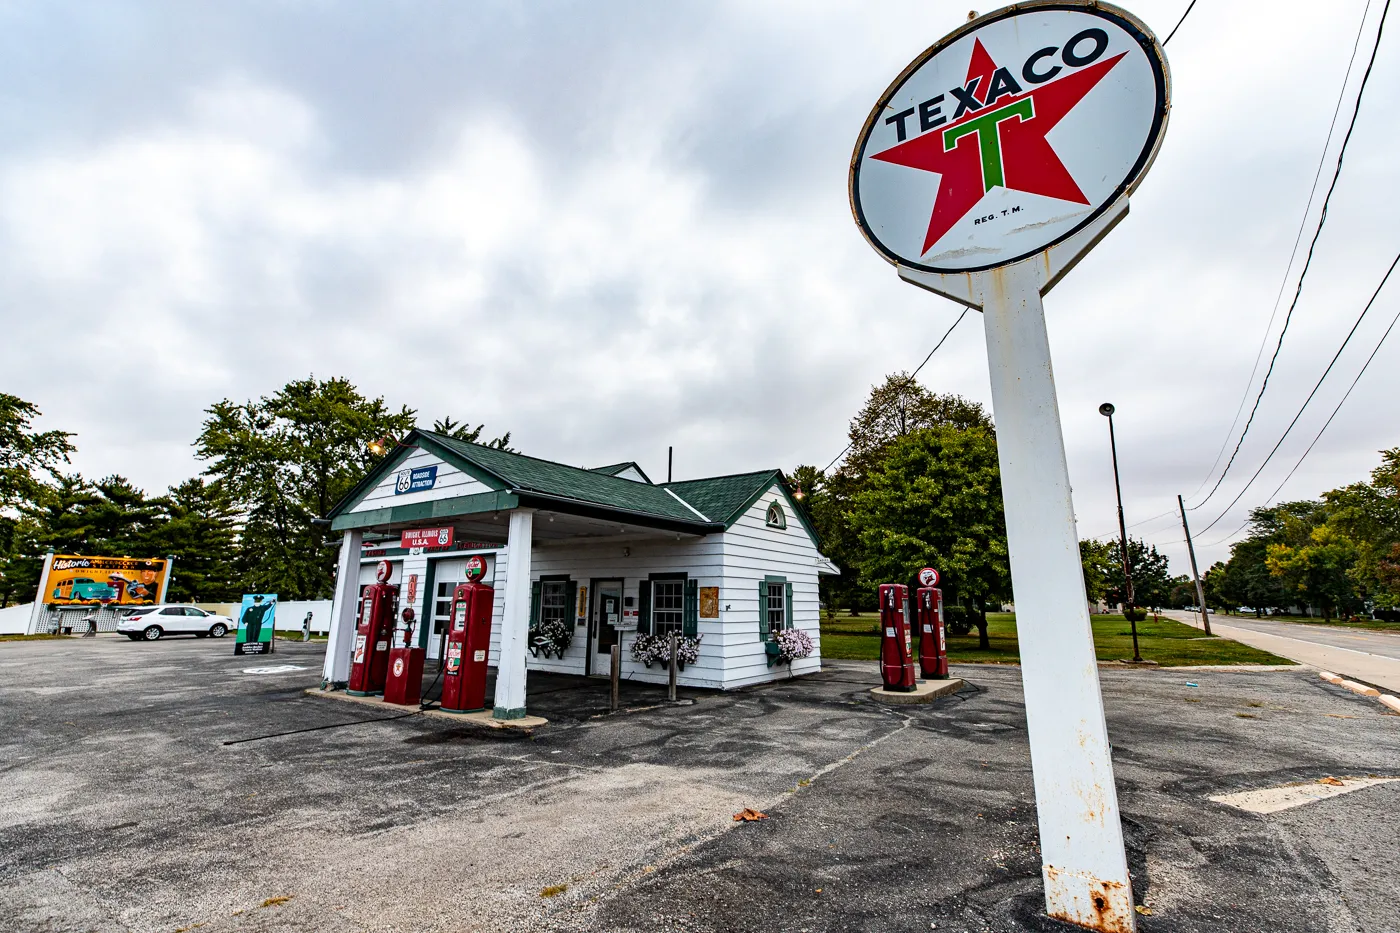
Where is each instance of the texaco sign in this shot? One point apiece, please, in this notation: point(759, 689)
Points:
point(1009, 135)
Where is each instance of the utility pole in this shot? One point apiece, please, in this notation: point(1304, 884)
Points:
point(1191, 549)
point(1106, 409)
point(670, 451)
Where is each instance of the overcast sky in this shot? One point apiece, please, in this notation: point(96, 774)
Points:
point(610, 227)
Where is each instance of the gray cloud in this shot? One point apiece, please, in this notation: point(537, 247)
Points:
point(610, 228)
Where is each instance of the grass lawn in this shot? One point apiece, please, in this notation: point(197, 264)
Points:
point(1169, 643)
point(31, 637)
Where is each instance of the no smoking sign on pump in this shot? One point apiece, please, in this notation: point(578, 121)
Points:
point(986, 170)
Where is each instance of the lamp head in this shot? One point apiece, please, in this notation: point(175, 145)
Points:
point(380, 445)
point(1106, 409)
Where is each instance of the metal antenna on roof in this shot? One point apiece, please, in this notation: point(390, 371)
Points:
point(669, 452)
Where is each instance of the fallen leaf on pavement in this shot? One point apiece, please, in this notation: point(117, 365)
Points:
point(1331, 780)
point(749, 815)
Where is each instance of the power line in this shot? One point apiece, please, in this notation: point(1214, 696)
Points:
point(910, 381)
point(1307, 263)
point(1297, 239)
point(1374, 295)
point(1189, 8)
point(1326, 424)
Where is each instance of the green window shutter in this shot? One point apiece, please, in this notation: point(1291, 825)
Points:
point(691, 628)
point(787, 620)
point(535, 604)
point(644, 606)
point(762, 610)
point(571, 594)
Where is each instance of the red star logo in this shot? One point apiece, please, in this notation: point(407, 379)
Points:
point(997, 139)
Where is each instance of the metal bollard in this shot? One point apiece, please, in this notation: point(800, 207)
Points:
point(616, 674)
point(671, 688)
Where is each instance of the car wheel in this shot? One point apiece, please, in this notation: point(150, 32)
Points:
point(152, 633)
point(218, 630)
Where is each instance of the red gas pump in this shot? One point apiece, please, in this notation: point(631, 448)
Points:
point(468, 641)
point(896, 648)
point(369, 665)
point(928, 611)
point(405, 684)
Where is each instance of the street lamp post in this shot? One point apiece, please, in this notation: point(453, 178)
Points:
point(1106, 409)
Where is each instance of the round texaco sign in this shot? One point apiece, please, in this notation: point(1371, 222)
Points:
point(1009, 135)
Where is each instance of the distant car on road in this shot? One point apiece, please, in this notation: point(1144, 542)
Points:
point(152, 623)
point(1244, 609)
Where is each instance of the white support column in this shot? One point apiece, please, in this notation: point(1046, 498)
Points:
point(36, 612)
point(169, 576)
point(1081, 837)
point(1083, 860)
point(515, 618)
point(344, 604)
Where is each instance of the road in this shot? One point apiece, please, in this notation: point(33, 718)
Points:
point(125, 811)
point(1366, 655)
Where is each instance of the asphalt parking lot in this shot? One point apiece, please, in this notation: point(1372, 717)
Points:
point(123, 809)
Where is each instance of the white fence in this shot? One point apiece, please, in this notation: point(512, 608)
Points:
point(14, 620)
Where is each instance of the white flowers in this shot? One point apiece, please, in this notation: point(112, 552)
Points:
point(793, 643)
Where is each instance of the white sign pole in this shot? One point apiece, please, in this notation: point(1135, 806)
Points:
point(1081, 837)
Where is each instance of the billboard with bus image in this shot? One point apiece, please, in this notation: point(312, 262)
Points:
point(104, 581)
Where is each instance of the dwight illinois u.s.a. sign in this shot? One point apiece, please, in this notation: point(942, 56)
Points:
point(1009, 135)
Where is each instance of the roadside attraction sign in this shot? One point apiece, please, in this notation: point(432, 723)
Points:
point(995, 161)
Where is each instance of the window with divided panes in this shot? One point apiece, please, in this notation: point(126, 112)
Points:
point(554, 601)
point(667, 606)
point(777, 607)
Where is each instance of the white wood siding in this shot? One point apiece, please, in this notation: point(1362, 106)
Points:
point(753, 551)
point(451, 483)
point(731, 654)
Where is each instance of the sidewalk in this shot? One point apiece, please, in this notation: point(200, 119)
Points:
point(1360, 665)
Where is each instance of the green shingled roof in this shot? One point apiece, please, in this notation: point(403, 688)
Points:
point(531, 474)
point(722, 498)
point(612, 469)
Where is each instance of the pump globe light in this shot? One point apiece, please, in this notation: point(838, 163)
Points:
point(1106, 409)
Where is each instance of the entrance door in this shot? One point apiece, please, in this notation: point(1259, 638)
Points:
point(602, 633)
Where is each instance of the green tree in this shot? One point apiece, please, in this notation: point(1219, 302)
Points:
point(1096, 558)
point(199, 527)
point(1152, 579)
point(900, 406)
point(285, 460)
point(934, 498)
point(1369, 515)
point(1318, 568)
point(25, 454)
point(464, 432)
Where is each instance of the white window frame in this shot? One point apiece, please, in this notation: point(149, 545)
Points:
point(777, 613)
point(659, 627)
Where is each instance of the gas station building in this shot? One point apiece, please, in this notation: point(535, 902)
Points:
point(601, 554)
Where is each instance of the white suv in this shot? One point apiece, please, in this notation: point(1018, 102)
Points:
point(150, 623)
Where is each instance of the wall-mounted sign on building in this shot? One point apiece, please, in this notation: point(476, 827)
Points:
point(415, 480)
point(426, 537)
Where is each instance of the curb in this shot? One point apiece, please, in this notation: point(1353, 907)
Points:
point(1365, 690)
